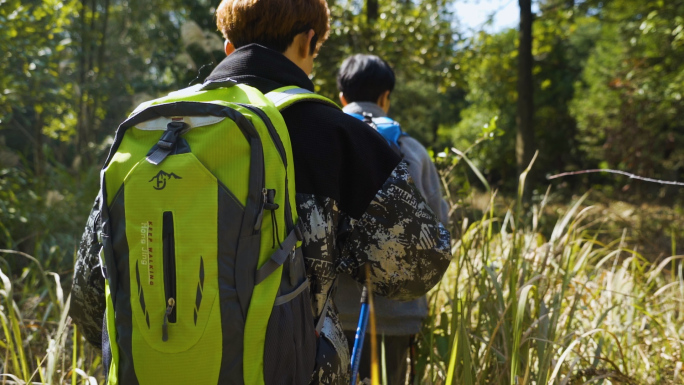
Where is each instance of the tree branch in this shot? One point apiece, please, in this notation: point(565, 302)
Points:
point(631, 176)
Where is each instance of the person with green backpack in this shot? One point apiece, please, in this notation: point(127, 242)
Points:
point(228, 209)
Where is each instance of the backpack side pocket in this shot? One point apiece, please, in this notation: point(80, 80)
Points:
point(290, 349)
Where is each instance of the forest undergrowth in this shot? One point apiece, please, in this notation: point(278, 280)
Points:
point(523, 302)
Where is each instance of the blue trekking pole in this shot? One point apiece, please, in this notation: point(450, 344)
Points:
point(360, 333)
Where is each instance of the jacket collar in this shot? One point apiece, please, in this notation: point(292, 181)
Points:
point(367, 107)
point(261, 68)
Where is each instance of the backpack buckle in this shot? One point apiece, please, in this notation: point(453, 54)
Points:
point(166, 143)
point(170, 136)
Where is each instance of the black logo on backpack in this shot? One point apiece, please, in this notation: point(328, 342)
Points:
point(161, 179)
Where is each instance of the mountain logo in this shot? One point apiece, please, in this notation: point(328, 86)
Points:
point(161, 178)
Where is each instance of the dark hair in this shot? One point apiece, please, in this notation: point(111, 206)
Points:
point(363, 78)
point(273, 23)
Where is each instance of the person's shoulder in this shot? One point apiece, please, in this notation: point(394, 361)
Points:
point(412, 145)
point(408, 139)
point(339, 156)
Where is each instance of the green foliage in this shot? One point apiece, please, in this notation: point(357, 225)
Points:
point(562, 42)
point(489, 67)
point(629, 106)
point(75, 69)
point(608, 90)
point(33, 97)
point(44, 216)
point(72, 72)
point(33, 38)
point(418, 40)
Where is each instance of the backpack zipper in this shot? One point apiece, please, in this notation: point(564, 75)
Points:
point(165, 325)
point(260, 216)
point(275, 138)
point(169, 272)
point(271, 130)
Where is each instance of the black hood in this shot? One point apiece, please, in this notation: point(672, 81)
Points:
point(335, 155)
point(261, 68)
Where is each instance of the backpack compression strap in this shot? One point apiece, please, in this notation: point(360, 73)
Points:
point(286, 96)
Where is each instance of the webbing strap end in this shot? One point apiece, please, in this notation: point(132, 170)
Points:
point(277, 259)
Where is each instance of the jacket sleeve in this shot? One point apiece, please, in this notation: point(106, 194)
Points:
point(433, 191)
point(426, 177)
point(408, 250)
point(88, 290)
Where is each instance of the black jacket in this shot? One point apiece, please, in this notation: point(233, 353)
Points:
point(355, 198)
point(335, 155)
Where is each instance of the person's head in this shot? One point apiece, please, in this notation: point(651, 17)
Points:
point(295, 28)
point(365, 78)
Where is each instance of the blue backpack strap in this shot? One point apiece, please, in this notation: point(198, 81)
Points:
point(365, 117)
point(388, 128)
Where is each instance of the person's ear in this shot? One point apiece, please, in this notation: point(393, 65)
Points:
point(228, 47)
point(304, 48)
point(384, 101)
point(343, 100)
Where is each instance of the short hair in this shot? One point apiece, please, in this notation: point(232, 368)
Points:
point(273, 23)
point(363, 78)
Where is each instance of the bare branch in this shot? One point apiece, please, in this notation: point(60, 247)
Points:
point(631, 176)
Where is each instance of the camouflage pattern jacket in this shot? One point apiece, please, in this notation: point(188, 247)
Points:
point(355, 198)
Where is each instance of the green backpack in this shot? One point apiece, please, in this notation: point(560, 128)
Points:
point(205, 279)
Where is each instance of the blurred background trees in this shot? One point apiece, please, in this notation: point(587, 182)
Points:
point(607, 86)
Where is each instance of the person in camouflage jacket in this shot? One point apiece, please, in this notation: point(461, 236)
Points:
point(355, 197)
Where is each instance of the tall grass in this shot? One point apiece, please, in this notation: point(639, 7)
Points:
point(39, 344)
point(518, 308)
point(515, 307)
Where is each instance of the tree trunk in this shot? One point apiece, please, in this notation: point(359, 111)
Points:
point(99, 69)
point(38, 155)
point(524, 145)
point(80, 124)
point(372, 10)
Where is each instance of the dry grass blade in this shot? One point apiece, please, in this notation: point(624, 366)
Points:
point(473, 168)
point(43, 275)
point(567, 351)
point(656, 272)
point(58, 344)
point(569, 216)
point(11, 326)
point(523, 178)
point(517, 331)
point(91, 380)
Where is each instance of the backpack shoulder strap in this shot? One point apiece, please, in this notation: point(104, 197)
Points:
point(384, 120)
point(286, 96)
point(366, 118)
point(388, 128)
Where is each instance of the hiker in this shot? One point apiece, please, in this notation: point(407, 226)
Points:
point(365, 83)
point(354, 198)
